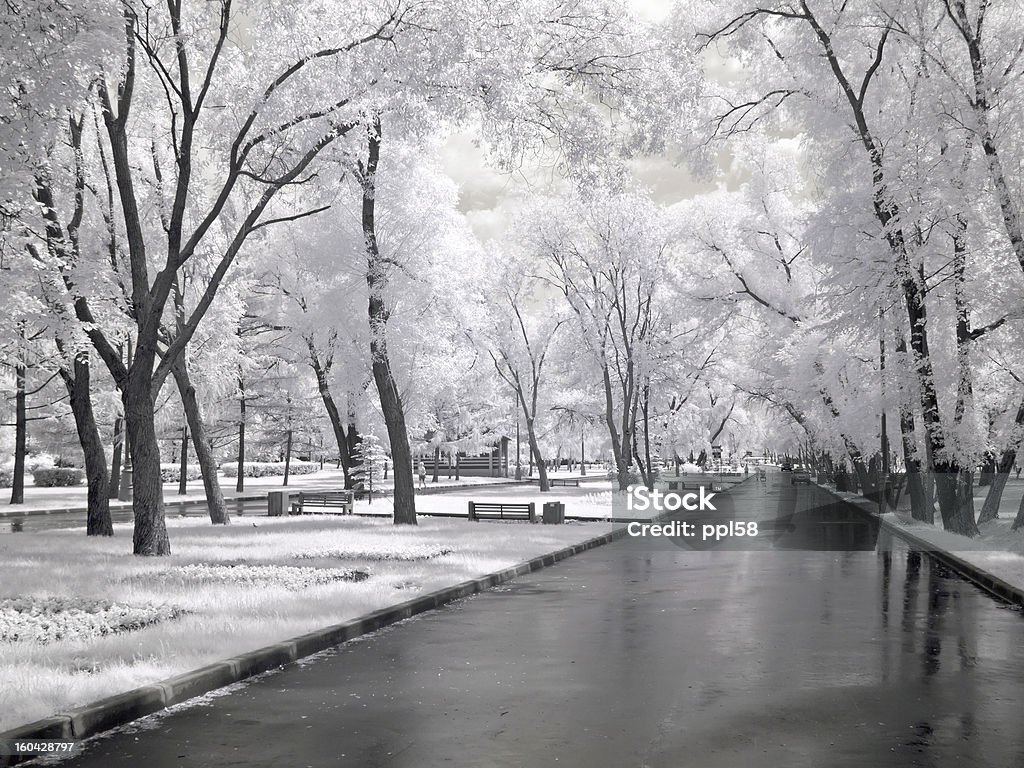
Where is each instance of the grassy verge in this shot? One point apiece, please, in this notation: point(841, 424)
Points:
point(125, 621)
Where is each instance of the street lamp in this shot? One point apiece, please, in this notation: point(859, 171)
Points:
point(883, 429)
point(519, 464)
point(126, 491)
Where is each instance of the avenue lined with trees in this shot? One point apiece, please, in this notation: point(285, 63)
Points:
point(234, 233)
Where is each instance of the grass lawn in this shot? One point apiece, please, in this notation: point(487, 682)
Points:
point(80, 619)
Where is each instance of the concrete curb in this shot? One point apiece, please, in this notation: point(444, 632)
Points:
point(105, 714)
point(972, 573)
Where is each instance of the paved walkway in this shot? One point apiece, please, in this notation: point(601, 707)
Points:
point(635, 655)
point(50, 499)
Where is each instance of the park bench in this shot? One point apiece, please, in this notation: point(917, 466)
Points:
point(679, 485)
point(564, 481)
point(491, 511)
point(325, 499)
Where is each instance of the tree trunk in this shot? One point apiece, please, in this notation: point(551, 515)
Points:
point(921, 507)
point(150, 535)
point(437, 460)
point(647, 464)
point(114, 489)
point(863, 475)
point(394, 419)
point(20, 430)
point(542, 470)
point(204, 453)
point(953, 483)
point(183, 464)
point(621, 444)
point(988, 470)
point(990, 509)
point(1018, 521)
point(345, 442)
point(954, 487)
point(98, 521)
point(240, 477)
point(530, 414)
point(920, 504)
point(287, 457)
point(387, 389)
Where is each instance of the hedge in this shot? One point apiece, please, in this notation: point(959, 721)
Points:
point(171, 473)
point(269, 468)
point(58, 477)
point(6, 479)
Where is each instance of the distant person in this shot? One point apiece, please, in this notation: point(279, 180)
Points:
point(1018, 471)
point(421, 470)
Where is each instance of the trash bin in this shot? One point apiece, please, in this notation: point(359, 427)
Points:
point(277, 503)
point(554, 513)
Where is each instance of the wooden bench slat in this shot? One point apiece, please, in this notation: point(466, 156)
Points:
point(498, 511)
point(325, 499)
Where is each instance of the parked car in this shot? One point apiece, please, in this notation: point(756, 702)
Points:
point(800, 476)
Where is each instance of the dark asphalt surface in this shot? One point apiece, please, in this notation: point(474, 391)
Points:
point(637, 655)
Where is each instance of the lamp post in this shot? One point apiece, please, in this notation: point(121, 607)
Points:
point(126, 491)
point(583, 455)
point(519, 466)
point(884, 479)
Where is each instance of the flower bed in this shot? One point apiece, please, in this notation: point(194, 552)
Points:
point(43, 620)
point(287, 576)
point(408, 553)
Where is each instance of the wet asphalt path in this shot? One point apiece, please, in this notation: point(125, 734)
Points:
point(637, 654)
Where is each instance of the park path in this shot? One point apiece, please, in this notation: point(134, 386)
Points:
point(636, 654)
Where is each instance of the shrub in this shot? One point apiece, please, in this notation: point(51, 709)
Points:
point(269, 468)
point(6, 478)
point(632, 474)
point(171, 473)
point(39, 461)
point(58, 477)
